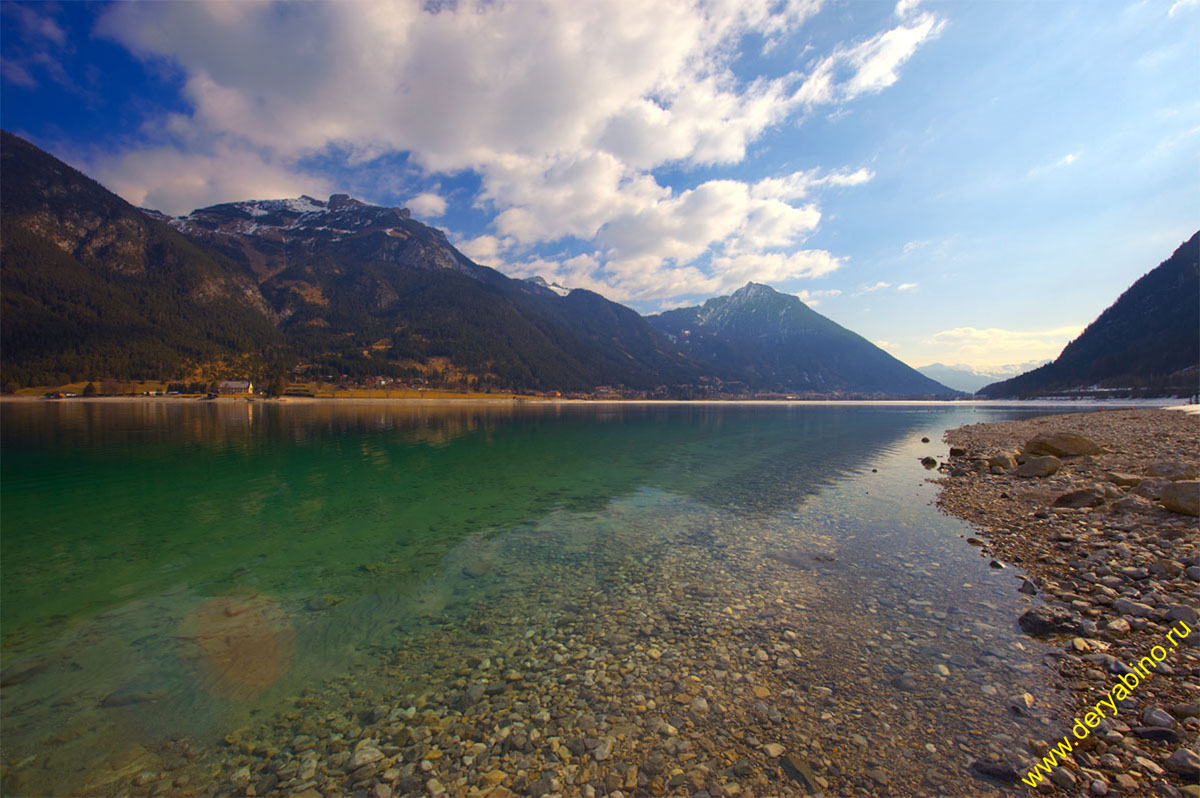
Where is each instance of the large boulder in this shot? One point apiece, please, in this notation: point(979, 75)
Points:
point(1172, 470)
point(1060, 444)
point(1039, 467)
point(1182, 497)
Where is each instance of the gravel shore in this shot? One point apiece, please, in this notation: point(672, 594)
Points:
point(1080, 503)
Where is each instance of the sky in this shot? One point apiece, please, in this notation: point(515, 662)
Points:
point(961, 182)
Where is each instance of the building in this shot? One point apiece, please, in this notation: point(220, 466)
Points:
point(235, 387)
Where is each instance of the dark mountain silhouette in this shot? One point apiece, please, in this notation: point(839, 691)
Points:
point(1148, 340)
point(93, 287)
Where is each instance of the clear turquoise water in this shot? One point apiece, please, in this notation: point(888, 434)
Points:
point(133, 533)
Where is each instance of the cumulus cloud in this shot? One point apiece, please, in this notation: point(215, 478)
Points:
point(427, 205)
point(176, 181)
point(562, 110)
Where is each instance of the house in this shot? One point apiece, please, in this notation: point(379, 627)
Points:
point(235, 387)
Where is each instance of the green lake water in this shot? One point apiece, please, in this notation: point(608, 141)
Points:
point(339, 531)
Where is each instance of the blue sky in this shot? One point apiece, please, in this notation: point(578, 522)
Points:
point(964, 182)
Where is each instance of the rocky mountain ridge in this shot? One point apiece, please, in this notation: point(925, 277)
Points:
point(780, 344)
point(94, 287)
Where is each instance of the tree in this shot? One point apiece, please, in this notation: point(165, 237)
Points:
point(89, 389)
point(277, 387)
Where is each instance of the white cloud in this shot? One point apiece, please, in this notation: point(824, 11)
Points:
point(1066, 160)
point(873, 64)
point(879, 286)
point(906, 7)
point(427, 205)
point(1182, 5)
point(176, 182)
point(906, 287)
point(814, 298)
point(562, 110)
point(996, 346)
point(483, 249)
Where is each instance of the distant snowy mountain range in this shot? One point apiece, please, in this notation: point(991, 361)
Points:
point(966, 378)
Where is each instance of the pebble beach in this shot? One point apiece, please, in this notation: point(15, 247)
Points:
point(1099, 509)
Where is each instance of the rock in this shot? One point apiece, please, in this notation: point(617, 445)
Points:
point(1005, 460)
point(1063, 778)
point(1000, 771)
point(1185, 762)
point(604, 750)
point(798, 770)
point(773, 750)
point(1060, 444)
point(317, 604)
point(1181, 612)
point(1131, 503)
point(1038, 467)
point(1153, 716)
point(1135, 608)
point(1084, 497)
point(366, 755)
point(1173, 470)
point(1182, 497)
point(1098, 787)
point(1117, 626)
point(1123, 479)
point(957, 451)
point(1027, 587)
point(924, 440)
point(1047, 620)
point(435, 788)
point(929, 462)
point(543, 786)
point(1159, 733)
point(1150, 488)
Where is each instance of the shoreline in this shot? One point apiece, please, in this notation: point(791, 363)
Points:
point(1166, 403)
point(1110, 572)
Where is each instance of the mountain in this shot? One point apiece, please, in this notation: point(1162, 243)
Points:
point(969, 379)
point(1149, 339)
point(95, 287)
point(92, 286)
point(362, 289)
point(780, 344)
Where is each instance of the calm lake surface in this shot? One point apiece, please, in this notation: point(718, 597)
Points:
point(175, 572)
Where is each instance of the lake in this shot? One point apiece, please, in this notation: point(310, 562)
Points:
point(190, 587)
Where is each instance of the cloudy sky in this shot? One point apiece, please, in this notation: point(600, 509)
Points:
point(964, 182)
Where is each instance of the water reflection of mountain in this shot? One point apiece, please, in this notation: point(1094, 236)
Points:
point(105, 502)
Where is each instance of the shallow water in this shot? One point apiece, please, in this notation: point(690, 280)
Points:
point(178, 570)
